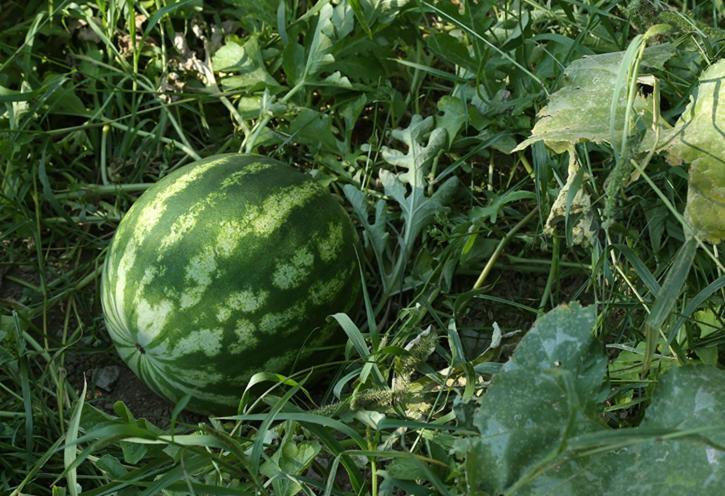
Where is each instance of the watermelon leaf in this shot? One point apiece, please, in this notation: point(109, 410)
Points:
point(375, 234)
point(699, 138)
point(677, 448)
point(318, 53)
point(580, 109)
point(540, 431)
point(455, 116)
point(333, 23)
point(369, 12)
point(246, 65)
point(497, 202)
point(545, 394)
point(315, 129)
point(302, 65)
point(409, 190)
point(418, 209)
point(287, 463)
point(419, 157)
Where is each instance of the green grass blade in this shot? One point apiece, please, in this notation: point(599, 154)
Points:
point(70, 451)
point(692, 305)
point(667, 297)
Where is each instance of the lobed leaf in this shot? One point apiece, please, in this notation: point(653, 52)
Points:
point(408, 190)
point(699, 138)
point(245, 64)
point(540, 435)
point(418, 158)
point(580, 110)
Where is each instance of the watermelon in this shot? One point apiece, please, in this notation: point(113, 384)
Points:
point(227, 267)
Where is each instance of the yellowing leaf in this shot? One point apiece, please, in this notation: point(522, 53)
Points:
point(699, 138)
point(580, 110)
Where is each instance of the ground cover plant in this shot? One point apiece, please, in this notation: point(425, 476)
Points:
point(537, 189)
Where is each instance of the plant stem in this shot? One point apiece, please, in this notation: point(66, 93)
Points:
point(100, 190)
point(104, 143)
point(553, 274)
point(251, 139)
point(181, 146)
point(501, 245)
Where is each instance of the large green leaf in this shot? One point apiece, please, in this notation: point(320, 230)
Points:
point(333, 24)
point(540, 434)
point(288, 463)
point(543, 395)
point(699, 138)
point(409, 189)
point(678, 449)
point(420, 153)
point(315, 129)
point(580, 110)
point(246, 64)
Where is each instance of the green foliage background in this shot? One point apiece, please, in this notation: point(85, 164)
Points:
point(411, 112)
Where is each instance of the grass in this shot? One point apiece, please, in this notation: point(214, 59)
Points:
point(100, 99)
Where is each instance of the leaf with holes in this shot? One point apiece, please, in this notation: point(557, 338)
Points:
point(580, 110)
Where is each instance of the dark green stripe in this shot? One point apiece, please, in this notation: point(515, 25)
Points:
point(255, 263)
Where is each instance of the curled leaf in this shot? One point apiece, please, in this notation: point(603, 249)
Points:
point(580, 110)
point(699, 138)
point(573, 207)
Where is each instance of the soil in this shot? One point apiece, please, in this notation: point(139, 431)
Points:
point(128, 388)
point(476, 325)
point(83, 360)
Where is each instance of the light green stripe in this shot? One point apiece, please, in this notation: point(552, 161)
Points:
point(330, 245)
point(175, 389)
point(263, 220)
point(186, 222)
point(150, 214)
point(256, 222)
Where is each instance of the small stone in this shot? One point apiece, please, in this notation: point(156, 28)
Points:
point(105, 377)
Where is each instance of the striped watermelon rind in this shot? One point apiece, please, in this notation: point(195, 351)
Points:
point(227, 267)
